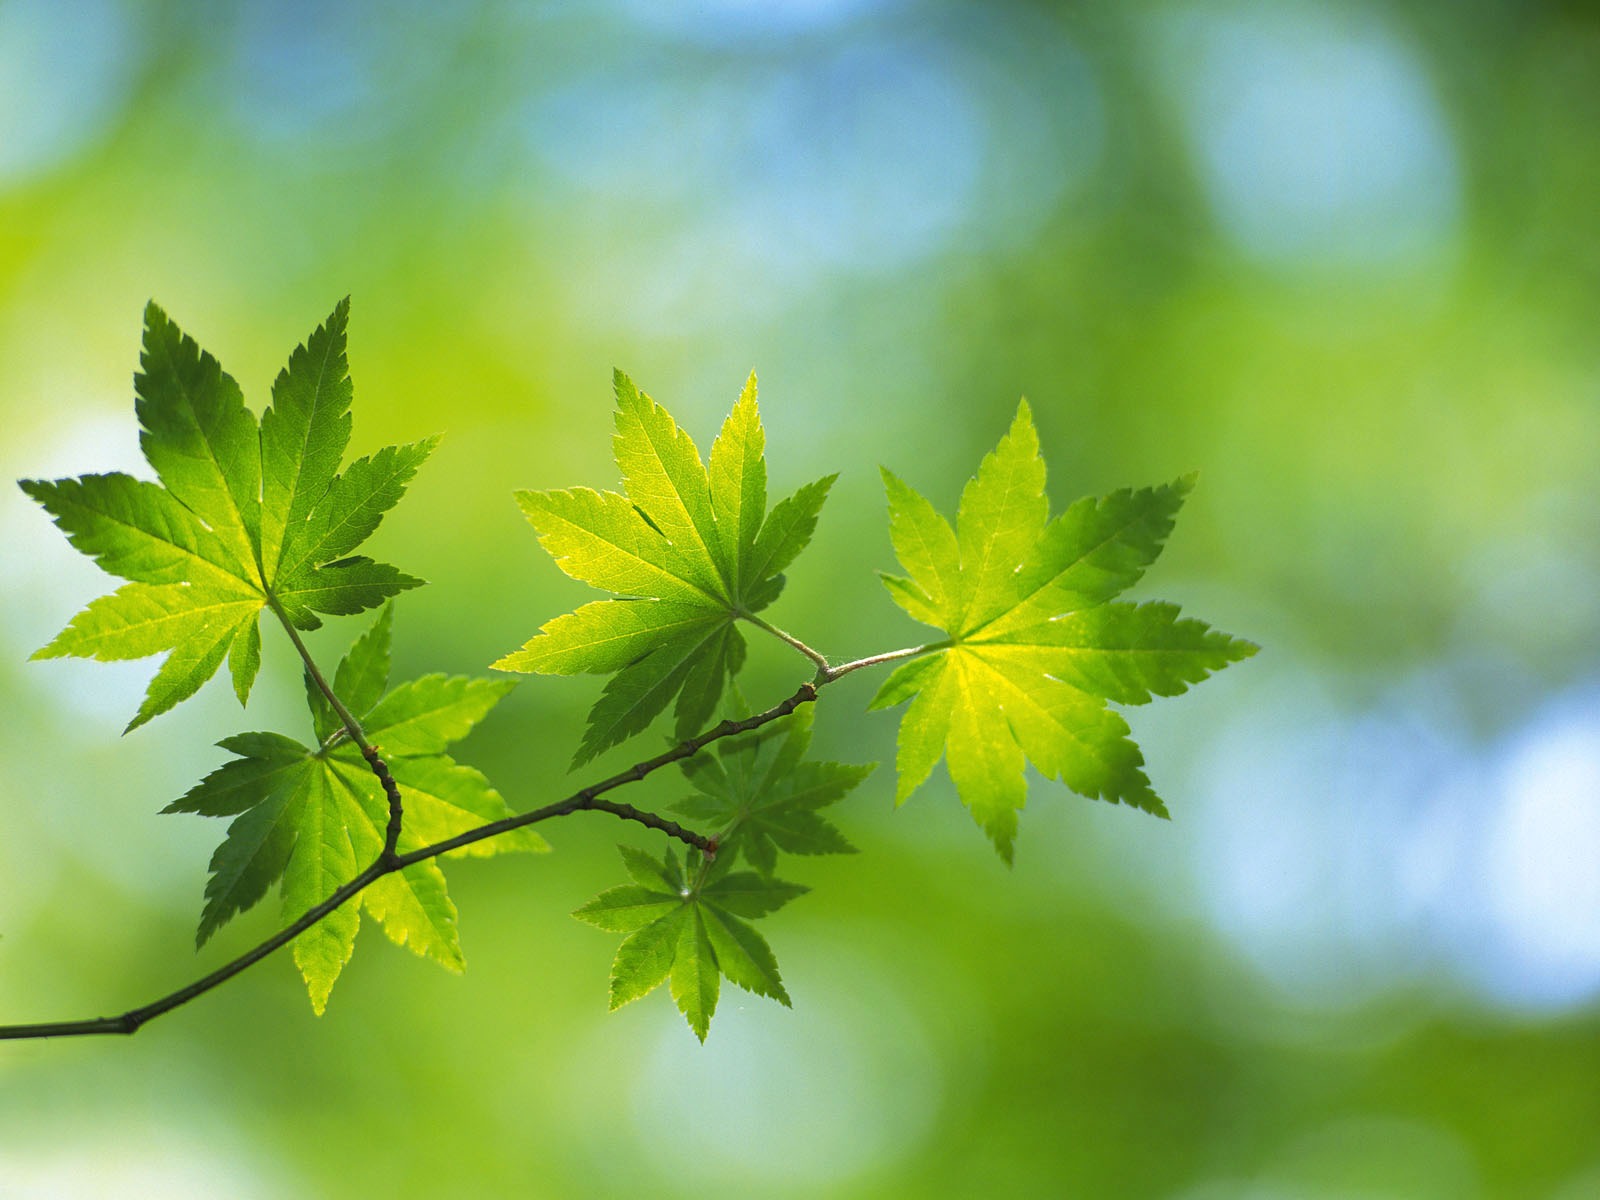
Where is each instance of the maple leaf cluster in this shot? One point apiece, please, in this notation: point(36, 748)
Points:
point(1034, 647)
point(258, 516)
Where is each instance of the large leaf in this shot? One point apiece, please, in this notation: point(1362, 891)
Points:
point(1034, 646)
point(245, 513)
point(686, 549)
point(313, 818)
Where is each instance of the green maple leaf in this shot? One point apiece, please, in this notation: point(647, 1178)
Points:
point(762, 796)
point(247, 515)
point(1035, 644)
point(688, 550)
point(689, 928)
point(314, 818)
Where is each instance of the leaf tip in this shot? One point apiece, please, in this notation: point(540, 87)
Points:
point(897, 489)
point(511, 662)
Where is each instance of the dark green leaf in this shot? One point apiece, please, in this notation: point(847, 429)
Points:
point(758, 796)
point(688, 929)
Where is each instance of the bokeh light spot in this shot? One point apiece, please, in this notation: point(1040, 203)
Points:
point(1317, 133)
point(1542, 851)
point(844, 1082)
point(66, 69)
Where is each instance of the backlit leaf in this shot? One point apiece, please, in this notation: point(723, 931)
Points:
point(313, 818)
point(686, 547)
point(1034, 648)
point(246, 515)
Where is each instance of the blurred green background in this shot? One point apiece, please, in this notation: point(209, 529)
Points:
point(1342, 258)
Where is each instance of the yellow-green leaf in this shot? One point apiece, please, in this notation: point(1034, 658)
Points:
point(1034, 648)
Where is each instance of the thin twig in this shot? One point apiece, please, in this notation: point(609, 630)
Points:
point(130, 1021)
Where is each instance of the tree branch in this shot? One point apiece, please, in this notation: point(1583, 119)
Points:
point(591, 797)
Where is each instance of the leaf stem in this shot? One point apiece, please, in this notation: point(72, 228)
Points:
point(825, 672)
point(352, 728)
point(873, 660)
point(816, 656)
point(590, 798)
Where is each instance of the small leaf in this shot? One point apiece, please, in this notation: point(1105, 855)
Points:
point(442, 798)
point(304, 433)
point(743, 955)
point(259, 843)
point(760, 797)
point(323, 859)
point(199, 436)
point(746, 894)
point(626, 909)
point(244, 657)
point(350, 511)
point(687, 929)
